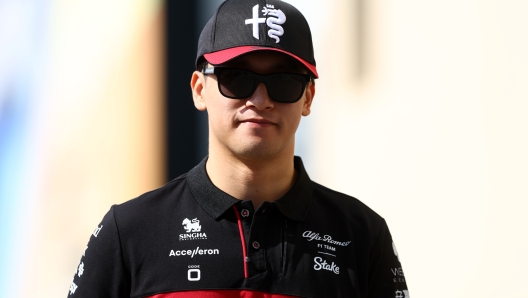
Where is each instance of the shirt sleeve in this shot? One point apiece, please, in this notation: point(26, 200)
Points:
point(386, 278)
point(101, 271)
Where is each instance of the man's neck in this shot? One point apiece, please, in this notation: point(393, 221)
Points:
point(255, 180)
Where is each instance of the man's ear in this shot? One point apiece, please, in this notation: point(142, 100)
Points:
point(309, 95)
point(198, 90)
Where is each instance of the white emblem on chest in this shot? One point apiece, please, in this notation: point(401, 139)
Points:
point(193, 230)
point(191, 225)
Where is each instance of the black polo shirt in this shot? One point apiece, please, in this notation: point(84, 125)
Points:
point(190, 239)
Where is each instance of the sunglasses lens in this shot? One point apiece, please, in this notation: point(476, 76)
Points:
point(240, 84)
point(236, 83)
point(285, 87)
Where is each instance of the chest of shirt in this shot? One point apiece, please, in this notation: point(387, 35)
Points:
point(244, 249)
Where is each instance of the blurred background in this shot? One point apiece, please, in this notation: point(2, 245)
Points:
point(420, 112)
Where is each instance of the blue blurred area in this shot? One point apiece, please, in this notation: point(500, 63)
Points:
point(13, 145)
point(22, 42)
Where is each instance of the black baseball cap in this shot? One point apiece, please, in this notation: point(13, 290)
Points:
point(242, 26)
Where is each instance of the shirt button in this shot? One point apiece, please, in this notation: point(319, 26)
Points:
point(256, 245)
point(245, 213)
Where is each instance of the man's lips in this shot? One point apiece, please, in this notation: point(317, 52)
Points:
point(257, 122)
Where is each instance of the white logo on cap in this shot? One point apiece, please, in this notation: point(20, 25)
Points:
point(275, 18)
point(273, 23)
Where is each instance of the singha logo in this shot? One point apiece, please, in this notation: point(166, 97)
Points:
point(191, 225)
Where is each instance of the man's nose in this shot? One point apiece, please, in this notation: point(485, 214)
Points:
point(260, 98)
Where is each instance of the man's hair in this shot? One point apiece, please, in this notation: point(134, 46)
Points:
point(202, 64)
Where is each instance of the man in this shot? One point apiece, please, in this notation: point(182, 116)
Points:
point(247, 221)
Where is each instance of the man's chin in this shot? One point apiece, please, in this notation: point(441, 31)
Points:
point(256, 151)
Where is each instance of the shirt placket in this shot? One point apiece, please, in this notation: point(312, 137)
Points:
point(254, 224)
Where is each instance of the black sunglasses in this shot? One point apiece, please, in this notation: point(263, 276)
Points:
point(240, 84)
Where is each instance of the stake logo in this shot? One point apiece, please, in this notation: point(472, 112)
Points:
point(320, 263)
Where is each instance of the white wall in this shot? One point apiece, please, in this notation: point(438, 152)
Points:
point(432, 135)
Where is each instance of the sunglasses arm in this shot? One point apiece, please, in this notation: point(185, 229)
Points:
point(208, 70)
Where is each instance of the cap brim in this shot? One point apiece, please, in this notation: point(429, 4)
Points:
point(220, 57)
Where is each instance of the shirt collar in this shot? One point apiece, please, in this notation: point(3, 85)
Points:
point(294, 204)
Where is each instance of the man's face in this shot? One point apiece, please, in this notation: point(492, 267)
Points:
point(256, 127)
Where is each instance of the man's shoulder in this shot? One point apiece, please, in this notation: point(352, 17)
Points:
point(343, 204)
point(155, 200)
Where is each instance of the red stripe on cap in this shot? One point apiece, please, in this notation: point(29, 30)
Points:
point(223, 56)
